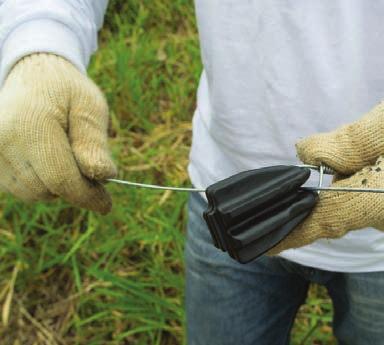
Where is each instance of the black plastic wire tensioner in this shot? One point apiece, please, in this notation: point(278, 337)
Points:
point(251, 212)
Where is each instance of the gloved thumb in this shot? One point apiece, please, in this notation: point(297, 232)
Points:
point(88, 125)
point(349, 148)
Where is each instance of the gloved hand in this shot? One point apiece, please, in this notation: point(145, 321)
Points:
point(53, 134)
point(351, 149)
point(339, 212)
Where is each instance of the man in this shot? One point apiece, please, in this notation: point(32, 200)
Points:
point(274, 71)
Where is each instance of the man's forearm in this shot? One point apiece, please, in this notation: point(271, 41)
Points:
point(64, 27)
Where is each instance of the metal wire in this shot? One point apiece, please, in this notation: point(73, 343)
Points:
point(321, 176)
point(345, 189)
point(326, 169)
point(154, 186)
point(179, 189)
point(323, 169)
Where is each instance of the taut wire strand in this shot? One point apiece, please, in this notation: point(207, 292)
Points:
point(154, 186)
point(322, 169)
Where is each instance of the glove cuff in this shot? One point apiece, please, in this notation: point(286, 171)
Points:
point(44, 36)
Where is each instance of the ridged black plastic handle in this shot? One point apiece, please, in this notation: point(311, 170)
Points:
point(250, 212)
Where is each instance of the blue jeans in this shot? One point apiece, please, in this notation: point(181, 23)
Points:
point(229, 303)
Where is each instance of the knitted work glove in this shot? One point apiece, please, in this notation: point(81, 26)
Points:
point(339, 212)
point(349, 148)
point(53, 134)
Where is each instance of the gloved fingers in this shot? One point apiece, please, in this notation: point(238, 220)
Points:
point(348, 148)
point(338, 212)
point(22, 181)
point(88, 124)
point(334, 149)
point(320, 224)
point(54, 163)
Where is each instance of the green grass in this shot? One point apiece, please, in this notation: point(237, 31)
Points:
point(68, 276)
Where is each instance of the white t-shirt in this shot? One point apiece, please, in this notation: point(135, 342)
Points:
point(279, 70)
point(275, 71)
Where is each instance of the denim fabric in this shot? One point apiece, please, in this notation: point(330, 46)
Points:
point(228, 303)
